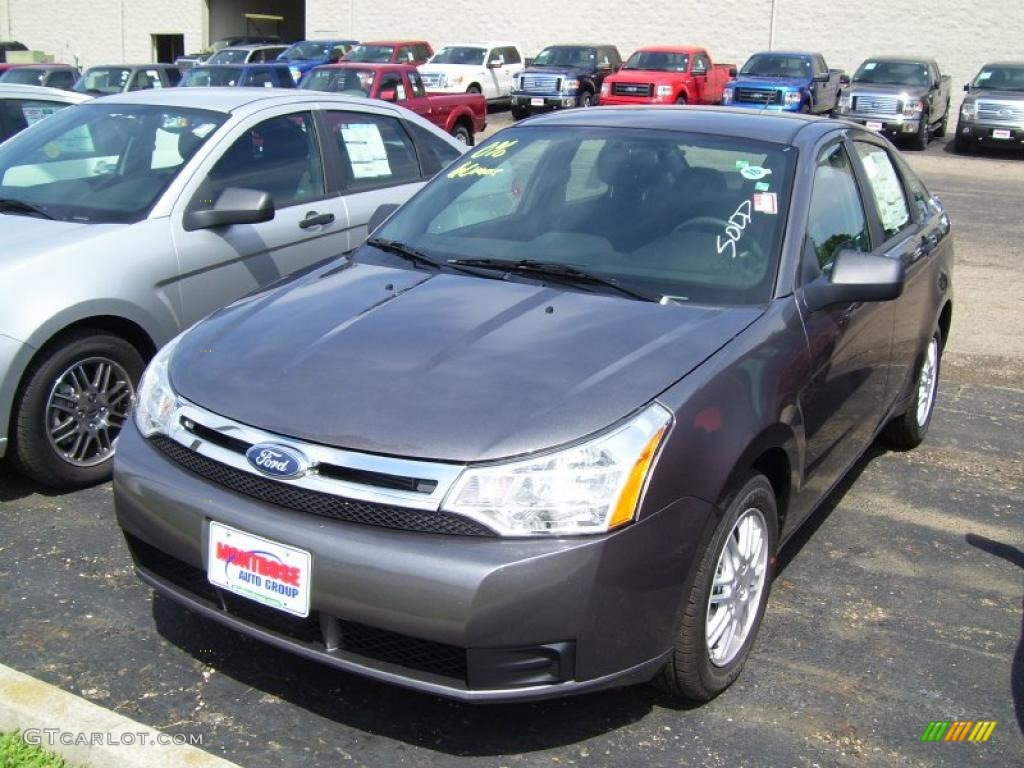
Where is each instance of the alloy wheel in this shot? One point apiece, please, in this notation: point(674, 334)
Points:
point(927, 382)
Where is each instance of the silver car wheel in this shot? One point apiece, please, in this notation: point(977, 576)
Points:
point(927, 383)
point(86, 409)
point(736, 591)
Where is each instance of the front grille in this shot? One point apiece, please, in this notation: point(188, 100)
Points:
point(1005, 113)
point(315, 502)
point(360, 639)
point(876, 105)
point(758, 96)
point(632, 89)
point(542, 83)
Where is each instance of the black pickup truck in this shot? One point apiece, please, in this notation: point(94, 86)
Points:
point(563, 76)
point(901, 97)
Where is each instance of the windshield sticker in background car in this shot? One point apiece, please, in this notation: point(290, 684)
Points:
point(755, 172)
point(766, 202)
point(870, 65)
point(762, 186)
point(366, 151)
point(984, 75)
point(35, 114)
point(473, 168)
point(498, 149)
point(734, 229)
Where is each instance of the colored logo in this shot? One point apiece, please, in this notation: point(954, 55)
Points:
point(277, 461)
point(958, 730)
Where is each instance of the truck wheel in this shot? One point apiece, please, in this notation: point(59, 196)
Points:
point(724, 602)
point(805, 108)
point(462, 135)
point(940, 130)
point(72, 405)
point(586, 99)
point(474, 88)
point(908, 430)
point(920, 140)
point(518, 113)
point(681, 99)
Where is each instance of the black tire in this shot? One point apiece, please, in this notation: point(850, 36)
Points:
point(585, 99)
point(920, 140)
point(690, 673)
point(474, 88)
point(462, 134)
point(32, 451)
point(805, 108)
point(518, 113)
point(940, 129)
point(907, 430)
point(681, 99)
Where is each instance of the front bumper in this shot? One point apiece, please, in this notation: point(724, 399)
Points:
point(536, 102)
point(891, 125)
point(473, 618)
point(986, 132)
point(14, 357)
point(611, 100)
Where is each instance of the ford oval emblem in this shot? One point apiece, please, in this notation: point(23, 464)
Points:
point(277, 461)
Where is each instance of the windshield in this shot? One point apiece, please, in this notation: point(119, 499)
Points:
point(658, 61)
point(696, 217)
point(777, 65)
point(566, 56)
point(104, 80)
point(229, 56)
point(371, 54)
point(212, 76)
point(460, 55)
point(307, 49)
point(351, 82)
point(101, 163)
point(23, 76)
point(1000, 78)
point(892, 73)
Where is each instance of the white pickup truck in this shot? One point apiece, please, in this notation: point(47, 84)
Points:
point(489, 68)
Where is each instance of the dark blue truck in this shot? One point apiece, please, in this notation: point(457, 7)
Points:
point(786, 82)
point(563, 76)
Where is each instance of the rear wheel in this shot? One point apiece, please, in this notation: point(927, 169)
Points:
point(723, 605)
point(474, 88)
point(462, 135)
point(73, 403)
point(908, 430)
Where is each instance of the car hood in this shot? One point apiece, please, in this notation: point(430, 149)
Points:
point(440, 366)
point(913, 91)
point(26, 238)
point(432, 68)
point(773, 82)
point(557, 70)
point(644, 76)
point(994, 94)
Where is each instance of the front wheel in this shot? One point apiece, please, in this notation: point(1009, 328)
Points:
point(725, 601)
point(73, 403)
point(462, 135)
point(920, 140)
point(474, 88)
point(908, 430)
point(681, 99)
point(518, 113)
point(586, 99)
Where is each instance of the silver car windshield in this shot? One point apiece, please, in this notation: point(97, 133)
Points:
point(693, 217)
point(102, 163)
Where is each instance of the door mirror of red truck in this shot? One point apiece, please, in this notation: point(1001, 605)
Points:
point(732, 72)
point(388, 95)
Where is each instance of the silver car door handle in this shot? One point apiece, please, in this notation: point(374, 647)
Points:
point(314, 219)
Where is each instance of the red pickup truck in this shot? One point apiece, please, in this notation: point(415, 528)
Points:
point(668, 74)
point(463, 115)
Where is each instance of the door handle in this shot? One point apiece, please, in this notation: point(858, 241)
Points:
point(314, 219)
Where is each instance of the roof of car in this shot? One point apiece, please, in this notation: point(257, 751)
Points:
point(1019, 63)
point(10, 91)
point(673, 48)
point(149, 65)
point(242, 65)
point(481, 44)
point(910, 59)
point(368, 65)
point(776, 127)
point(44, 66)
point(252, 46)
point(783, 53)
point(394, 42)
point(227, 99)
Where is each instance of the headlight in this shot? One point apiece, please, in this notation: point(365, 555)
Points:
point(912, 108)
point(589, 488)
point(844, 104)
point(296, 73)
point(793, 97)
point(664, 91)
point(155, 400)
point(517, 84)
point(727, 96)
point(968, 111)
point(568, 86)
point(606, 89)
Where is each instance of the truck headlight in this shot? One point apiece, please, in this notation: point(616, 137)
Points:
point(606, 89)
point(568, 86)
point(968, 111)
point(793, 97)
point(155, 400)
point(296, 73)
point(727, 96)
point(517, 83)
point(912, 108)
point(844, 103)
point(663, 91)
point(592, 487)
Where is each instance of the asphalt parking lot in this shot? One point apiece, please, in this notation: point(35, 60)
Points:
point(899, 603)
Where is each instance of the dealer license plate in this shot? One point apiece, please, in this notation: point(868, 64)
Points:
point(873, 126)
point(270, 573)
point(999, 133)
point(537, 102)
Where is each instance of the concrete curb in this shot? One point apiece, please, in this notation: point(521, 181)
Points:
point(97, 737)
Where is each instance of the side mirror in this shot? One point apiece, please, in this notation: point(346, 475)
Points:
point(844, 79)
point(496, 63)
point(379, 217)
point(236, 205)
point(388, 95)
point(617, 67)
point(733, 72)
point(856, 277)
point(967, 87)
point(822, 78)
point(336, 56)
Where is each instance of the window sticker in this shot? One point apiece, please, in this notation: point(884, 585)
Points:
point(762, 186)
point(755, 172)
point(734, 229)
point(984, 75)
point(36, 113)
point(870, 65)
point(497, 149)
point(473, 168)
point(766, 202)
point(741, 164)
point(366, 151)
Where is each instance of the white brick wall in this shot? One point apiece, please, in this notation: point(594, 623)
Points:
point(961, 35)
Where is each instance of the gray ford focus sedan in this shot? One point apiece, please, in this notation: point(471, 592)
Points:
point(546, 431)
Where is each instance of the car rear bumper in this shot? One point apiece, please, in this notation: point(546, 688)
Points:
point(474, 618)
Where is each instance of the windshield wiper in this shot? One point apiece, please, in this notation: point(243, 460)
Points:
point(403, 250)
point(20, 207)
point(549, 269)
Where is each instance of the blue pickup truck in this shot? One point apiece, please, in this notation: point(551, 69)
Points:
point(786, 82)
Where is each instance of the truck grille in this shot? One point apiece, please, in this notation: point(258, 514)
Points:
point(540, 83)
point(1004, 113)
point(632, 89)
point(282, 494)
point(876, 105)
point(758, 96)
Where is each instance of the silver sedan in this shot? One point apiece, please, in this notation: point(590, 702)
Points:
point(128, 218)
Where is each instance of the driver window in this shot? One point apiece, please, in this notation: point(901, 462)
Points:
point(836, 217)
point(393, 82)
point(700, 64)
point(416, 84)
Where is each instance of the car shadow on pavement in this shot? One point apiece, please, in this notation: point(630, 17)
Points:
point(393, 712)
point(986, 152)
point(1013, 556)
point(14, 486)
